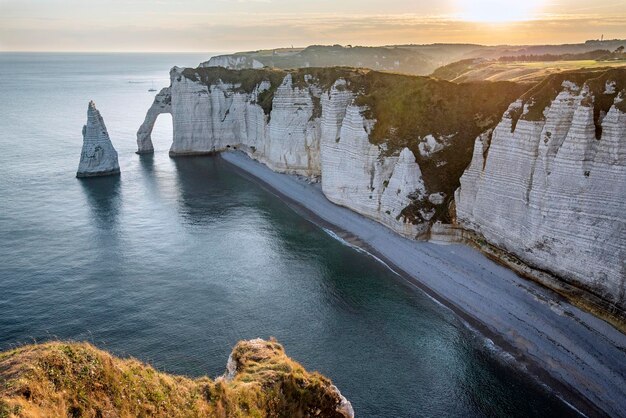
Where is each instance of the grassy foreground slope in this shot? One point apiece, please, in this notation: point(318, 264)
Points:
point(59, 379)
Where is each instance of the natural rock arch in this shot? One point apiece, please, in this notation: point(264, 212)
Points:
point(162, 104)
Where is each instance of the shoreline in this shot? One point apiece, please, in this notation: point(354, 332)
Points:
point(568, 350)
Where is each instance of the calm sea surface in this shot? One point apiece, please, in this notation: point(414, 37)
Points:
point(177, 260)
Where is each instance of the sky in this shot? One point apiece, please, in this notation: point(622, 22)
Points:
point(241, 25)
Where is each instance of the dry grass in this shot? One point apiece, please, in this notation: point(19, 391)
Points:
point(539, 97)
point(78, 380)
point(521, 72)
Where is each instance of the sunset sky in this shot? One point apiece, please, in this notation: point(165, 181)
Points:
point(231, 25)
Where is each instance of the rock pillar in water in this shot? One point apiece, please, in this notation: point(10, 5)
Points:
point(98, 157)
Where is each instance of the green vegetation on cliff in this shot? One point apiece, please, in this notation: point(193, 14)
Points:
point(247, 80)
point(77, 380)
point(598, 55)
point(598, 97)
point(406, 109)
point(456, 69)
point(413, 111)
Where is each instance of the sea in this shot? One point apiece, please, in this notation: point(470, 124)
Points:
point(176, 260)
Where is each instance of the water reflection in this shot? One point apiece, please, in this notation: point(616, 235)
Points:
point(147, 163)
point(104, 198)
point(202, 182)
point(149, 174)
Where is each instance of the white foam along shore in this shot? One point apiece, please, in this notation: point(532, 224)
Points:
point(578, 355)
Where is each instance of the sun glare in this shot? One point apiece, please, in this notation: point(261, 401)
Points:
point(497, 11)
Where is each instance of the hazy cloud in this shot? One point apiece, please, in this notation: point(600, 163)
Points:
point(220, 25)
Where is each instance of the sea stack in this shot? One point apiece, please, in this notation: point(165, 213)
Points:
point(98, 157)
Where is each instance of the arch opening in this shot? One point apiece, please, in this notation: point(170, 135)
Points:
point(162, 134)
point(162, 104)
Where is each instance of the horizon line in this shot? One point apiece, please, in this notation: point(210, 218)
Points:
point(302, 47)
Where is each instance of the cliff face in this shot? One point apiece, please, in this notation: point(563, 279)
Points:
point(235, 62)
point(215, 117)
point(76, 379)
point(359, 175)
point(334, 124)
point(545, 183)
point(98, 157)
point(548, 185)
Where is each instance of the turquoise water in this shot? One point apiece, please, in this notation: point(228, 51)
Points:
point(177, 260)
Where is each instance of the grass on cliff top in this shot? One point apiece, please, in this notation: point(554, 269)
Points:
point(456, 69)
point(246, 80)
point(406, 109)
point(529, 71)
point(540, 97)
point(77, 380)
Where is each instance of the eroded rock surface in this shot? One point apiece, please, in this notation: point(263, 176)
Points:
point(545, 184)
point(338, 125)
point(98, 156)
point(162, 104)
point(550, 189)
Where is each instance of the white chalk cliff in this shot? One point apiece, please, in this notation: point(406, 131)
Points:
point(235, 62)
point(98, 157)
point(546, 191)
point(356, 174)
point(299, 136)
point(552, 194)
point(161, 104)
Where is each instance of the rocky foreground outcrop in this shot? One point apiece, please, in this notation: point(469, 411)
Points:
point(98, 156)
point(75, 379)
point(544, 184)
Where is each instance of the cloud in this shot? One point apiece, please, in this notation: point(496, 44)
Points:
point(191, 30)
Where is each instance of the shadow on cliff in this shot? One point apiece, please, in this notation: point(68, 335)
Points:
point(104, 198)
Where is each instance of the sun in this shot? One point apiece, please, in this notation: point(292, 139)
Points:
point(497, 11)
